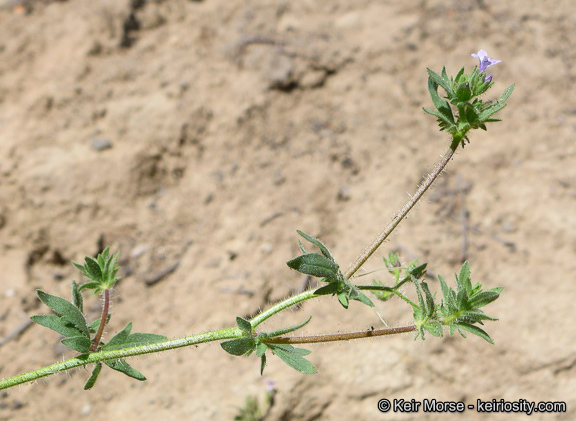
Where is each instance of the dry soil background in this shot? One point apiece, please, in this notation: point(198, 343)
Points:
point(204, 133)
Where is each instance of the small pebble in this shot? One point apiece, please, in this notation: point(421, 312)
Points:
point(99, 144)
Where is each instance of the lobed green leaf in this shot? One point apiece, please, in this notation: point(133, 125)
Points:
point(66, 309)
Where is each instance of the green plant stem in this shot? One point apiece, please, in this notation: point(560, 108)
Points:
point(94, 357)
point(230, 333)
point(404, 211)
point(282, 305)
point(339, 336)
point(103, 320)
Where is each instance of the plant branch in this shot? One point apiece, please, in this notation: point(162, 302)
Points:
point(94, 357)
point(282, 305)
point(339, 336)
point(404, 211)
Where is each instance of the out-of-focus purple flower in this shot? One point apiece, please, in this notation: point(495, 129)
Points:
point(270, 385)
point(485, 61)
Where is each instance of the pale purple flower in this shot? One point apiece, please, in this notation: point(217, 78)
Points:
point(485, 62)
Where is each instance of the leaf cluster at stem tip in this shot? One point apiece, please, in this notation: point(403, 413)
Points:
point(461, 110)
point(101, 271)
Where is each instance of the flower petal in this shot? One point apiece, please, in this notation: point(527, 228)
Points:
point(485, 61)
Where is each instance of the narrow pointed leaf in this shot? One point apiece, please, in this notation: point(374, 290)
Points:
point(93, 269)
point(496, 290)
point(290, 348)
point(244, 325)
point(482, 299)
point(262, 363)
point(439, 115)
point(93, 377)
point(364, 299)
point(294, 360)
point(57, 324)
point(441, 81)
point(462, 300)
point(331, 288)
point(464, 277)
point(120, 337)
point(318, 244)
point(343, 298)
point(430, 307)
point(475, 317)
point(284, 331)
point(89, 285)
point(77, 343)
point(261, 349)
point(66, 309)
point(476, 331)
point(139, 338)
point(490, 111)
point(460, 73)
point(314, 264)
point(446, 292)
point(136, 339)
point(418, 271)
point(77, 297)
point(441, 104)
point(123, 367)
point(239, 346)
point(507, 92)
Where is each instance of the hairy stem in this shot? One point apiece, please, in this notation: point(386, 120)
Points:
point(404, 211)
point(282, 305)
point(94, 357)
point(339, 336)
point(103, 320)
